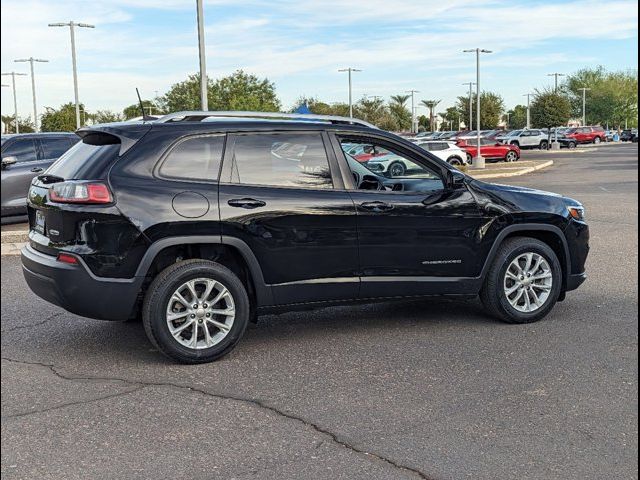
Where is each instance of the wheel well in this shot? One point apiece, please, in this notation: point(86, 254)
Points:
point(225, 255)
point(553, 241)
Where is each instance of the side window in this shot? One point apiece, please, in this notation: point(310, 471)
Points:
point(535, 133)
point(23, 149)
point(281, 160)
point(393, 171)
point(196, 158)
point(54, 147)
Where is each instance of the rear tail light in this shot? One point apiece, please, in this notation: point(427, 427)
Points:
point(80, 192)
point(66, 258)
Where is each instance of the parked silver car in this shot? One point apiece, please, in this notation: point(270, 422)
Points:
point(23, 157)
point(526, 139)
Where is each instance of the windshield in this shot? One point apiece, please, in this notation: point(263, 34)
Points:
point(515, 133)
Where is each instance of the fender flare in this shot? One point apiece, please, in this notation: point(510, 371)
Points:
point(263, 291)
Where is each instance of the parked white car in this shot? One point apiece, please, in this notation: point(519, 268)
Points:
point(525, 139)
point(447, 151)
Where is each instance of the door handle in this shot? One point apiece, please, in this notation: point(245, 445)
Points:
point(37, 169)
point(376, 206)
point(246, 203)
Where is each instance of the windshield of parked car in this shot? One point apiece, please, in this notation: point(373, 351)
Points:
point(515, 133)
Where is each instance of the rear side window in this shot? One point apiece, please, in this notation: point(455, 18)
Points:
point(24, 150)
point(196, 158)
point(55, 147)
point(281, 160)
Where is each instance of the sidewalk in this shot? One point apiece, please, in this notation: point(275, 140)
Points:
point(502, 169)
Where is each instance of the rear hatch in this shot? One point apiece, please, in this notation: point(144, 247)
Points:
point(71, 206)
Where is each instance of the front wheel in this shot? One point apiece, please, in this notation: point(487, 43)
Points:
point(544, 145)
point(572, 145)
point(597, 140)
point(397, 169)
point(511, 156)
point(195, 311)
point(524, 281)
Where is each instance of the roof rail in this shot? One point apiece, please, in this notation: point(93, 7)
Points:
point(197, 116)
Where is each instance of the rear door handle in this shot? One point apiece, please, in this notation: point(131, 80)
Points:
point(246, 203)
point(37, 169)
point(376, 206)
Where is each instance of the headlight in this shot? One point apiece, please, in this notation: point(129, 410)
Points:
point(576, 212)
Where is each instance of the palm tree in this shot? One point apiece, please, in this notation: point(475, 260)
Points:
point(431, 104)
point(400, 99)
point(398, 108)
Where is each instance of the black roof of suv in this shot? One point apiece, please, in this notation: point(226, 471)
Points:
point(200, 221)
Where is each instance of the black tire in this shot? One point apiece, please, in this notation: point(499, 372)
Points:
point(455, 161)
point(597, 140)
point(396, 169)
point(544, 145)
point(162, 288)
point(511, 156)
point(469, 158)
point(492, 294)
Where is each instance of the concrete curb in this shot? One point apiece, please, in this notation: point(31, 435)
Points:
point(514, 174)
point(12, 248)
point(15, 236)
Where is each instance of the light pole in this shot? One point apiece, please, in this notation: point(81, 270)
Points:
point(479, 162)
point(471, 84)
point(72, 26)
point(528, 95)
point(507, 125)
point(584, 103)
point(556, 75)
point(413, 111)
point(204, 101)
point(350, 69)
point(15, 100)
point(33, 86)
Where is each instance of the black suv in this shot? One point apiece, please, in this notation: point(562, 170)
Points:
point(202, 220)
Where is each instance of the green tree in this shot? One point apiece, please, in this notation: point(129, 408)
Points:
point(550, 109)
point(612, 96)
point(431, 104)
point(106, 116)
point(150, 108)
point(61, 120)
point(423, 123)
point(239, 91)
point(517, 117)
point(491, 108)
point(451, 116)
point(399, 112)
point(25, 125)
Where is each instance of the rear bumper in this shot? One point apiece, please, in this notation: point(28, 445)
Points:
point(76, 289)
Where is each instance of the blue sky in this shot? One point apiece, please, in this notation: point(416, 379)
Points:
point(399, 45)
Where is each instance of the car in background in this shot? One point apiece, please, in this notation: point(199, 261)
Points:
point(629, 134)
point(526, 139)
point(362, 152)
point(567, 142)
point(25, 156)
point(447, 151)
point(491, 150)
point(587, 134)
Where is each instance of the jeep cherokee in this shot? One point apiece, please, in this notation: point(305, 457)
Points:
point(200, 221)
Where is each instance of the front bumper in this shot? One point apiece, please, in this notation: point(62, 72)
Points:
point(77, 290)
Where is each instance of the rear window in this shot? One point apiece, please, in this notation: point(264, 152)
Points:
point(84, 161)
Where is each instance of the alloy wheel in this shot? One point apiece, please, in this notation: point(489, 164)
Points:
point(200, 313)
point(528, 282)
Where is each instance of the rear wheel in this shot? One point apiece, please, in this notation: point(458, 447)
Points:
point(597, 140)
point(455, 161)
point(544, 145)
point(469, 158)
point(524, 281)
point(572, 145)
point(195, 311)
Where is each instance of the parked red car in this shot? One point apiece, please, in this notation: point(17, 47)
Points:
point(491, 150)
point(587, 134)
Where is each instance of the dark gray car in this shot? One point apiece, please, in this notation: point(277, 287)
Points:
point(23, 157)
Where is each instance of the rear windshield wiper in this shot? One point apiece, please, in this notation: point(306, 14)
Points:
point(48, 178)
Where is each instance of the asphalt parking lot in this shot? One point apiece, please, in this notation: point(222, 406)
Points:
point(422, 389)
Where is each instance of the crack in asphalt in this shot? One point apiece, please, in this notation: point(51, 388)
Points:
point(20, 327)
point(251, 401)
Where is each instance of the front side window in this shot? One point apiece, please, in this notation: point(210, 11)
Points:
point(196, 158)
point(282, 160)
point(24, 150)
point(394, 170)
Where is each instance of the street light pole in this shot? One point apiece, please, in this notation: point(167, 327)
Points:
point(413, 111)
point(15, 100)
point(556, 75)
point(584, 103)
point(470, 103)
point(528, 95)
point(72, 26)
point(479, 162)
point(33, 86)
point(204, 101)
point(350, 69)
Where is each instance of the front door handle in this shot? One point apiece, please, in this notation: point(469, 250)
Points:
point(246, 203)
point(376, 206)
point(37, 169)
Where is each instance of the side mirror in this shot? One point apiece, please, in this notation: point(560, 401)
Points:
point(456, 179)
point(6, 161)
